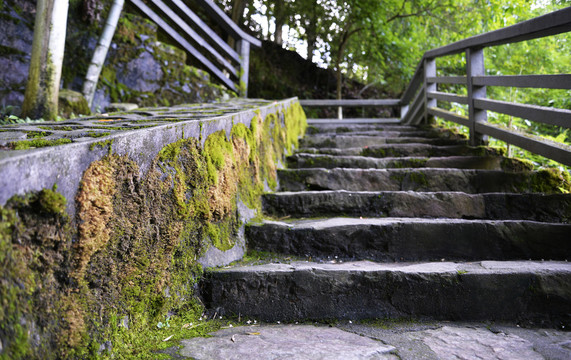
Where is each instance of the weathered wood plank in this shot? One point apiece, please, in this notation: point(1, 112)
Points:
point(355, 121)
point(448, 80)
point(557, 152)
point(414, 114)
point(184, 43)
point(442, 96)
point(553, 23)
point(244, 67)
point(350, 102)
point(415, 83)
point(543, 114)
point(560, 81)
point(206, 30)
point(194, 35)
point(226, 23)
point(450, 116)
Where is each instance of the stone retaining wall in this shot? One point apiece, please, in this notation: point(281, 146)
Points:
point(116, 222)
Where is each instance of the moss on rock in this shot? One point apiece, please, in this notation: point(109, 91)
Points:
point(131, 259)
point(71, 103)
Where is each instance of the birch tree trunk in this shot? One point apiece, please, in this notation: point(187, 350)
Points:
point(100, 53)
point(42, 89)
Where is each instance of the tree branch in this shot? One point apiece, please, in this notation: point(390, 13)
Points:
point(426, 10)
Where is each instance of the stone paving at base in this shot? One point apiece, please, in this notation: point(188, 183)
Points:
point(347, 340)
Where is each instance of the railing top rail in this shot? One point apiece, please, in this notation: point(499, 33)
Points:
point(205, 30)
point(223, 20)
point(350, 102)
point(553, 23)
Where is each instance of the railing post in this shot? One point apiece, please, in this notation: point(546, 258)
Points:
point(429, 71)
point(244, 49)
point(475, 67)
point(403, 111)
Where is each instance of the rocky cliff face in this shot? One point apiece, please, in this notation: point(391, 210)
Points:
point(139, 68)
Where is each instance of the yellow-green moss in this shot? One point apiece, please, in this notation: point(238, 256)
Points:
point(134, 254)
point(550, 180)
point(51, 201)
point(16, 288)
point(38, 143)
point(35, 243)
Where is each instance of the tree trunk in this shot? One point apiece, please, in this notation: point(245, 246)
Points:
point(278, 37)
point(311, 40)
point(280, 21)
point(311, 30)
point(100, 53)
point(42, 89)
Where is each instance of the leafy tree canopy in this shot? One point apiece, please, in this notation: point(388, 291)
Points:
point(382, 41)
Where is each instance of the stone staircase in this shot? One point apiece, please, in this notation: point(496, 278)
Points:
point(404, 222)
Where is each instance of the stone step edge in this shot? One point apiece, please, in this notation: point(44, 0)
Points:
point(468, 161)
point(391, 121)
point(522, 291)
point(423, 179)
point(412, 239)
point(470, 206)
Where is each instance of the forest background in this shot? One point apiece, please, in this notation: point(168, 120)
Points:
point(379, 43)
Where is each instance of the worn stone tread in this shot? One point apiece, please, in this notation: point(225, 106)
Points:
point(507, 206)
point(401, 150)
point(406, 339)
point(302, 160)
point(345, 127)
point(413, 239)
point(396, 133)
point(351, 141)
point(270, 342)
point(422, 179)
point(523, 291)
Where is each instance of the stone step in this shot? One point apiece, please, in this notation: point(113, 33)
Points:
point(302, 160)
point(354, 121)
point(525, 292)
point(345, 128)
point(405, 150)
point(413, 239)
point(388, 133)
point(422, 179)
point(352, 141)
point(535, 207)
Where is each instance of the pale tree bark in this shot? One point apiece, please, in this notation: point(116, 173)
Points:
point(42, 89)
point(280, 17)
point(100, 53)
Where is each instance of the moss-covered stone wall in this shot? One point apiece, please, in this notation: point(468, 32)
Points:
point(85, 284)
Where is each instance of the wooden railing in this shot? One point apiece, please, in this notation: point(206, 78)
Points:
point(344, 103)
point(419, 101)
point(229, 65)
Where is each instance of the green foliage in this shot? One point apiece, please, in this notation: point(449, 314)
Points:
point(381, 42)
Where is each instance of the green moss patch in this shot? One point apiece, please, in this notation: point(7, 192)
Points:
point(119, 280)
point(37, 143)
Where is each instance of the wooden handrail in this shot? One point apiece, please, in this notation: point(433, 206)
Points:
point(424, 80)
point(235, 77)
point(226, 23)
